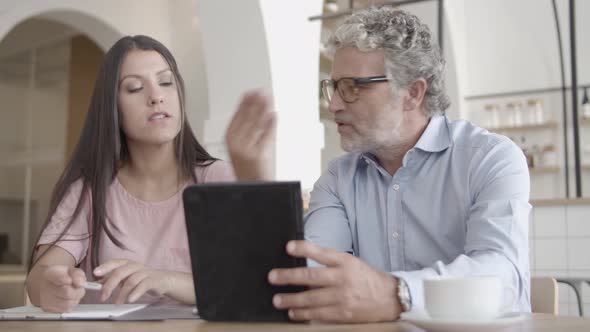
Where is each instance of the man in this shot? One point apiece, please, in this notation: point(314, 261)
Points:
point(417, 196)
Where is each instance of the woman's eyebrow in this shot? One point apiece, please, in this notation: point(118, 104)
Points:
point(140, 76)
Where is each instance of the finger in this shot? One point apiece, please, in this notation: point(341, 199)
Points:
point(268, 129)
point(327, 314)
point(105, 268)
point(58, 275)
point(68, 293)
point(244, 109)
point(257, 104)
point(141, 289)
point(252, 113)
point(319, 297)
point(129, 285)
point(78, 276)
point(324, 256)
point(307, 276)
point(258, 108)
point(116, 277)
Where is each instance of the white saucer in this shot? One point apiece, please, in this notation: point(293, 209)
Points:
point(422, 320)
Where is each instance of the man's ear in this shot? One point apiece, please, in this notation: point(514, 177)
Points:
point(415, 96)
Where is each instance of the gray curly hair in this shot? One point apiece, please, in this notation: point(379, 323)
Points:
point(410, 52)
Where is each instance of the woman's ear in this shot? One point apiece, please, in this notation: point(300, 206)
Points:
point(415, 96)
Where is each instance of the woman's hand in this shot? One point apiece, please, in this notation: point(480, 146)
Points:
point(61, 288)
point(134, 280)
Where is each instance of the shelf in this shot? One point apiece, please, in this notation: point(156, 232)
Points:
point(543, 170)
point(325, 63)
point(553, 169)
point(14, 197)
point(13, 277)
point(39, 156)
point(545, 125)
point(560, 201)
point(11, 270)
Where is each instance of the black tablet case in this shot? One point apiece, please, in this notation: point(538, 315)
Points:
point(237, 233)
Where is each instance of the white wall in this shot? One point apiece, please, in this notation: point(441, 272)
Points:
point(186, 45)
point(512, 45)
point(455, 51)
point(293, 46)
point(268, 45)
point(236, 58)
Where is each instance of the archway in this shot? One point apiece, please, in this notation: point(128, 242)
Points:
point(48, 64)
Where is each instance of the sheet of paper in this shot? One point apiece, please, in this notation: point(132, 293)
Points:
point(82, 311)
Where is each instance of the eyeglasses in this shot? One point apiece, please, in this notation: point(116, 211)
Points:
point(348, 87)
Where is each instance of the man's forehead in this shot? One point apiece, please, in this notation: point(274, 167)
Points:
point(350, 61)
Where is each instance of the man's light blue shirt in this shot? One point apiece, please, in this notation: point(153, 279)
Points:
point(458, 206)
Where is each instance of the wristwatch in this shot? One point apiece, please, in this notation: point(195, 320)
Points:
point(403, 292)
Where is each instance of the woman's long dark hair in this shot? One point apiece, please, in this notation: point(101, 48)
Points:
point(102, 147)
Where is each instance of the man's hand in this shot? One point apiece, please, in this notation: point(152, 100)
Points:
point(134, 280)
point(250, 138)
point(346, 290)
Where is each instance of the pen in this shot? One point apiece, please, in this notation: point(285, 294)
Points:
point(92, 285)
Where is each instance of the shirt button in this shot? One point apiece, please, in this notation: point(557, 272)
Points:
point(395, 235)
point(396, 187)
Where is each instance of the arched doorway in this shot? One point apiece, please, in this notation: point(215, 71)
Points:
point(47, 73)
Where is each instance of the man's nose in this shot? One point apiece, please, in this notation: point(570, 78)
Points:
point(336, 102)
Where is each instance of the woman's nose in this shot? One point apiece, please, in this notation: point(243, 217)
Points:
point(156, 100)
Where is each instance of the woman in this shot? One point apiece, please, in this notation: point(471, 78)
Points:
point(116, 212)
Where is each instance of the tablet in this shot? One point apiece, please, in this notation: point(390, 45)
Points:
point(237, 233)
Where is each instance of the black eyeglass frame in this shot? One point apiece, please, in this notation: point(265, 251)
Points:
point(357, 81)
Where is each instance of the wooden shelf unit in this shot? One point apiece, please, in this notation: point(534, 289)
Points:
point(543, 170)
point(545, 125)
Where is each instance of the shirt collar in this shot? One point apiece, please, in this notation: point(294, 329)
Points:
point(436, 137)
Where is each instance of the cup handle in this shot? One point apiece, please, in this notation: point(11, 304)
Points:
point(513, 298)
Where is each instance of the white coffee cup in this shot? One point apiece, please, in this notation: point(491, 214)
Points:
point(467, 298)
